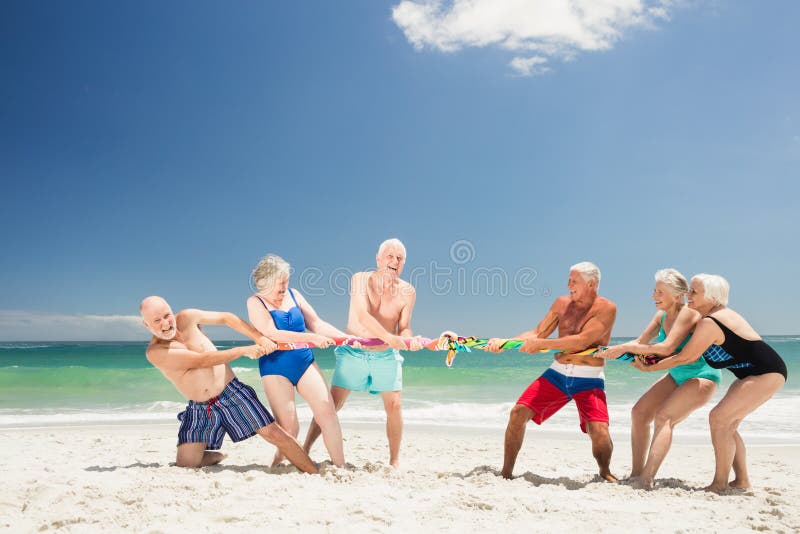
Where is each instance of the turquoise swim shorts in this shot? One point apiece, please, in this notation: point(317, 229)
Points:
point(366, 370)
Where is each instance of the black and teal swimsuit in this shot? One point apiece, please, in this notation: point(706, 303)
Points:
point(743, 357)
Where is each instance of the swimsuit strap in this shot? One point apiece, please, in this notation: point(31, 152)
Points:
point(663, 318)
point(294, 299)
point(263, 303)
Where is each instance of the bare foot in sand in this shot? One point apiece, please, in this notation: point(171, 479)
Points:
point(278, 460)
point(740, 484)
point(643, 483)
point(608, 477)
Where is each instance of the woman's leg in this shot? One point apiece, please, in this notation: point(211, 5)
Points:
point(280, 394)
point(339, 396)
point(314, 390)
point(742, 398)
point(688, 397)
point(642, 414)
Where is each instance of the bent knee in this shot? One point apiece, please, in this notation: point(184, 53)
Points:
point(641, 414)
point(520, 414)
point(183, 462)
point(664, 418)
point(721, 420)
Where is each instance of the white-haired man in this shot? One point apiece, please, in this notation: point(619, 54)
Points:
point(218, 402)
point(584, 320)
point(380, 307)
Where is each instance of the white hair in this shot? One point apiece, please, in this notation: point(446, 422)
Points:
point(393, 242)
point(716, 288)
point(270, 268)
point(674, 280)
point(589, 271)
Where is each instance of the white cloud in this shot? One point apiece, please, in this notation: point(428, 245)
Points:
point(528, 66)
point(550, 28)
point(34, 326)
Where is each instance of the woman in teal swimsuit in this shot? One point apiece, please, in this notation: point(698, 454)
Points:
point(283, 314)
point(675, 395)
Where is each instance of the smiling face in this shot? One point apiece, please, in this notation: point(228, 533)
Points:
point(391, 260)
point(663, 296)
point(697, 299)
point(579, 288)
point(158, 318)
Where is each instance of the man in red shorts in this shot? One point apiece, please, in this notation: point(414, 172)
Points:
point(584, 320)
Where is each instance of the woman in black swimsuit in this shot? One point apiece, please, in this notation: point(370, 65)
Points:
point(727, 341)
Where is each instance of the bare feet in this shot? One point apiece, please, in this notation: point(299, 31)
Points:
point(506, 475)
point(740, 484)
point(608, 477)
point(278, 460)
point(643, 483)
point(717, 488)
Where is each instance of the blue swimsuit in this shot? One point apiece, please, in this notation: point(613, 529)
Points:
point(289, 363)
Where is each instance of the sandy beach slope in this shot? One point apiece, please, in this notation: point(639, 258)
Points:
point(120, 478)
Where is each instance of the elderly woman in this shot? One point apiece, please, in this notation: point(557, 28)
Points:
point(727, 341)
point(283, 314)
point(676, 394)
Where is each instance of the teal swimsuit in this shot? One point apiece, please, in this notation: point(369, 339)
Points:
point(698, 369)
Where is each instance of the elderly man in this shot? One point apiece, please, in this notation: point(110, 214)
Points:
point(380, 307)
point(218, 402)
point(584, 320)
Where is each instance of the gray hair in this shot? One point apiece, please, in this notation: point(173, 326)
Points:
point(393, 242)
point(589, 271)
point(674, 280)
point(270, 268)
point(715, 287)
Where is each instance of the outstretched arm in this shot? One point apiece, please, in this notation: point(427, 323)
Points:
point(313, 321)
point(191, 317)
point(684, 324)
point(706, 334)
point(597, 327)
point(545, 327)
point(173, 359)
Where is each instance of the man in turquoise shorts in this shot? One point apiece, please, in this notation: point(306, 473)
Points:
point(380, 307)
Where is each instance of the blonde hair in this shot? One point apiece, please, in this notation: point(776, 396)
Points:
point(589, 271)
point(716, 288)
point(673, 280)
point(270, 268)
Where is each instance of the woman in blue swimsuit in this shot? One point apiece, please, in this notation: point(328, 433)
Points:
point(283, 314)
point(724, 339)
point(675, 395)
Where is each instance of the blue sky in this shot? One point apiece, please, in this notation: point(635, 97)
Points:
point(150, 147)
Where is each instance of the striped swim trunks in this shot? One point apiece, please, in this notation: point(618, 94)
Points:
point(236, 411)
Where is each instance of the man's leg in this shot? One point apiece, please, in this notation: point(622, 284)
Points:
point(339, 396)
point(539, 401)
point(196, 455)
point(515, 434)
point(288, 446)
point(602, 447)
point(392, 403)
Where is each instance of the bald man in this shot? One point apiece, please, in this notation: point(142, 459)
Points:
point(218, 402)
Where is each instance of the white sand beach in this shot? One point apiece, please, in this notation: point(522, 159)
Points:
point(121, 478)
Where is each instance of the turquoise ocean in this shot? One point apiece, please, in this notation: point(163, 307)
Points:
point(74, 383)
